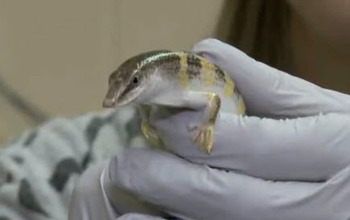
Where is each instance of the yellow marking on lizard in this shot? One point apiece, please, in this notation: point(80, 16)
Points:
point(229, 86)
point(151, 135)
point(240, 105)
point(183, 76)
point(207, 73)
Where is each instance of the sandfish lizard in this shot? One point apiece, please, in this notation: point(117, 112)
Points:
point(175, 79)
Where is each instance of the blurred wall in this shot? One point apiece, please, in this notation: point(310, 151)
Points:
point(58, 54)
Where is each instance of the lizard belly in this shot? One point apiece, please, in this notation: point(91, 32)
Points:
point(170, 93)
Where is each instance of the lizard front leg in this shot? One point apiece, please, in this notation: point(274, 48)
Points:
point(148, 132)
point(204, 133)
point(209, 102)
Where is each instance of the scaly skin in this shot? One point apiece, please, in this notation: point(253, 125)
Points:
point(175, 79)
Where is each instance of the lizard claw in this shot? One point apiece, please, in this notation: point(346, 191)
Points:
point(204, 137)
point(151, 135)
point(145, 130)
point(148, 131)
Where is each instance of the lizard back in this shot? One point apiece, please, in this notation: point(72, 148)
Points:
point(186, 71)
point(193, 72)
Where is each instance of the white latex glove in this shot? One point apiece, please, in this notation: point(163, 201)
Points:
point(90, 199)
point(309, 146)
point(313, 144)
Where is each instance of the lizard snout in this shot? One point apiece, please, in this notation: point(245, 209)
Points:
point(109, 102)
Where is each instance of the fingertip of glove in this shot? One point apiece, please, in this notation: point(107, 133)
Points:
point(206, 42)
point(215, 46)
point(206, 46)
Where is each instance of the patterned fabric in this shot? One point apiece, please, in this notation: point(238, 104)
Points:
point(39, 168)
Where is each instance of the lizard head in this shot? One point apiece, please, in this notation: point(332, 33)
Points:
point(124, 87)
point(131, 79)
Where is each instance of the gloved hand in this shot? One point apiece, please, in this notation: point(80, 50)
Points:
point(301, 138)
point(302, 132)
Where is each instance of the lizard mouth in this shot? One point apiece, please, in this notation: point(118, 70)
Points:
point(114, 102)
point(120, 98)
point(124, 101)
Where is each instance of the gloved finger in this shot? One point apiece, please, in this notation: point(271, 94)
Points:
point(268, 91)
point(88, 200)
point(311, 148)
point(95, 198)
point(200, 192)
point(136, 216)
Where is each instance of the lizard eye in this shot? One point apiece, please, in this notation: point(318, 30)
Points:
point(135, 80)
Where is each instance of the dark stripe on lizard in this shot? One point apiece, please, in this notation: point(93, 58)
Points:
point(194, 66)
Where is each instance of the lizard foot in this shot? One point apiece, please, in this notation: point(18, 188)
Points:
point(151, 135)
point(146, 131)
point(203, 136)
